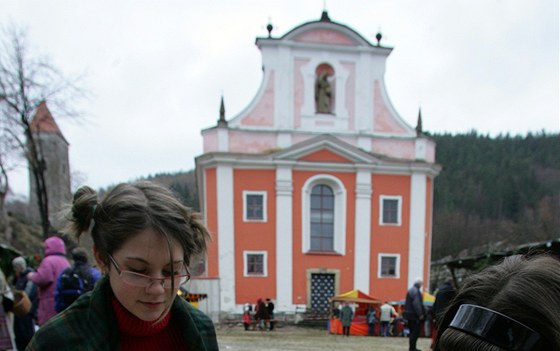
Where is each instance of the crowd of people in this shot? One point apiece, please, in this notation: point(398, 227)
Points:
point(43, 292)
point(45, 289)
point(260, 317)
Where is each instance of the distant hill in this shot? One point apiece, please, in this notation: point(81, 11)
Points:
point(495, 189)
point(183, 185)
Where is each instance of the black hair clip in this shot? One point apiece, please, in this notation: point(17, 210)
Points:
point(496, 328)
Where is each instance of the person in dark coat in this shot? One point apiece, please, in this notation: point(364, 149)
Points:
point(89, 275)
point(444, 294)
point(371, 317)
point(261, 314)
point(270, 310)
point(346, 315)
point(414, 313)
point(24, 326)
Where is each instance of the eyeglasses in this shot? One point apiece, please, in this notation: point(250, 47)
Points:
point(144, 281)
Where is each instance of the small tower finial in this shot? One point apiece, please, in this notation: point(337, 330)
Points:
point(419, 123)
point(222, 121)
point(378, 36)
point(325, 14)
point(269, 28)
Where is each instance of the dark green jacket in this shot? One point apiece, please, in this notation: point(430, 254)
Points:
point(90, 324)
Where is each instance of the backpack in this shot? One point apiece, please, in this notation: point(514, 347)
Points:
point(73, 282)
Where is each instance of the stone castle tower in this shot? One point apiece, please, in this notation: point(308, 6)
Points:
point(54, 149)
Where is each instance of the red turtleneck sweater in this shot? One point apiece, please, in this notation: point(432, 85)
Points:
point(139, 335)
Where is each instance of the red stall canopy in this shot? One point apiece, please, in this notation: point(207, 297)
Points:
point(359, 324)
point(356, 296)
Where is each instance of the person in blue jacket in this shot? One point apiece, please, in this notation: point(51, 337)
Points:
point(75, 280)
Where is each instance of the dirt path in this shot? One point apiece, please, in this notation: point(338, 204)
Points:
point(293, 338)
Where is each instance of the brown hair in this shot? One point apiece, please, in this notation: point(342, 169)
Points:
point(526, 289)
point(127, 209)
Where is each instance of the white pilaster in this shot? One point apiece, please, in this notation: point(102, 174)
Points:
point(223, 139)
point(284, 276)
point(420, 148)
point(284, 140)
point(364, 143)
point(283, 90)
point(417, 227)
point(362, 243)
point(364, 94)
point(226, 242)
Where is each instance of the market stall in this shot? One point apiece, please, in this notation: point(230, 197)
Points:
point(399, 328)
point(362, 301)
point(193, 299)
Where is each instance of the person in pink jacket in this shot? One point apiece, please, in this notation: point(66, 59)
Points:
point(52, 264)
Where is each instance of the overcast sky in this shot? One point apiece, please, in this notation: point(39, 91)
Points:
point(156, 69)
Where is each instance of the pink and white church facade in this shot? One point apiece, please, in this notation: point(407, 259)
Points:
point(318, 186)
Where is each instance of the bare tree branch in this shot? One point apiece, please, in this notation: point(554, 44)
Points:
point(25, 83)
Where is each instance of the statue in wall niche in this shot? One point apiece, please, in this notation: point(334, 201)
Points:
point(323, 93)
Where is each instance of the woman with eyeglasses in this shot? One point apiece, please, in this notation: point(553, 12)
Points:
point(144, 240)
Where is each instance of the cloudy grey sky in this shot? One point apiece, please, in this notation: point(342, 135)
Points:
point(156, 69)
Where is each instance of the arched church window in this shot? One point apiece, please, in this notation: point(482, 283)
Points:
point(324, 88)
point(322, 218)
point(323, 215)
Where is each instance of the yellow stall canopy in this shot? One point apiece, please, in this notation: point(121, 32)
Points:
point(356, 296)
point(428, 298)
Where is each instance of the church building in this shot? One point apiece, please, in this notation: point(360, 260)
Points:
point(318, 186)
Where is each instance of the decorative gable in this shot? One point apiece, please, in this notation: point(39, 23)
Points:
point(325, 155)
point(321, 77)
point(326, 148)
point(325, 36)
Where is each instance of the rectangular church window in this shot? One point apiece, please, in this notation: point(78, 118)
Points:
point(390, 211)
point(254, 206)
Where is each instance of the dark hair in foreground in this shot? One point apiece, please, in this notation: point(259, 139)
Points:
point(128, 209)
point(526, 289)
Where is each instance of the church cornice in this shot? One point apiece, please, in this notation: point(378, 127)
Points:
point(269, 42)
point(292, 157)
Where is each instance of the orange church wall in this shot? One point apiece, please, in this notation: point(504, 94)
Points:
point(390, 239)
point(254, 236)
point(302, 262)
point(211, 220)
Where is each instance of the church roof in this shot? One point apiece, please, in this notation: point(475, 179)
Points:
point(43, 121)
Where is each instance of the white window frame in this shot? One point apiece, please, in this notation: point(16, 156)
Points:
point(245, 194)
point(382, 198)
point(380, 257)
point(245, 263)
point(339, 192)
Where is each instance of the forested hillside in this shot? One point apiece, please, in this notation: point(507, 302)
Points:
point(183, 185)
point(495, 189)
point(502, 189)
